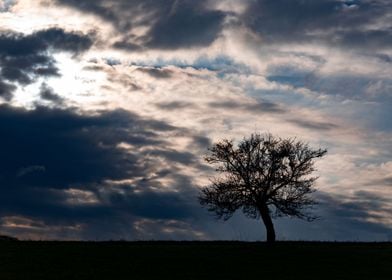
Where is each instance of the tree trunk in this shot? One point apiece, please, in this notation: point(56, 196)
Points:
point(269, 226)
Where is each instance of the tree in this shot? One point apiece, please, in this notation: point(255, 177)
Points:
point(265, 176)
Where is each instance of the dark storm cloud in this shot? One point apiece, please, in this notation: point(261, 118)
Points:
point(334, 22)
point(46, 153)
point(23, 58)
point(74, 149)
point(173, 24)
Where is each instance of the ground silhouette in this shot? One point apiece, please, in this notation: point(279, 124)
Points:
point(194, 260)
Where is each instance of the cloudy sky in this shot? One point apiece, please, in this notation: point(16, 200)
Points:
point(108, 106)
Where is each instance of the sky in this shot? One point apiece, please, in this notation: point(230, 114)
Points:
point(107, 108)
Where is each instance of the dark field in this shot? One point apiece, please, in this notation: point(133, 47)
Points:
point(194, 260)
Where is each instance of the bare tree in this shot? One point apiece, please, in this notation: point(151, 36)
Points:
point(264, 176)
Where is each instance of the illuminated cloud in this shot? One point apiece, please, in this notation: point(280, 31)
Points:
point(24, 58)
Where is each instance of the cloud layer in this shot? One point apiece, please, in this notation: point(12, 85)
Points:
point(107, 108)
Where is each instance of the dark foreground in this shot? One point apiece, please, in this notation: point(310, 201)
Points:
point(194, 260)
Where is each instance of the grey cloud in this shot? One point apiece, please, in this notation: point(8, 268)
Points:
point(313, 125)
point(369, 39)
point(48, 94)
point(341, 85)
point(97, 7)
point(172, 24)
point(127, 81)
point(174, 105)
point(112, 61)
point(386, 181)
point(342, 218)
point(186, 24)
point(25, 69)
point(156, 205)
point(349, 217)
point(159, 73)
point(6, 5)
point(256, 107)
point(6, 90)
point(126, 46)
point(326, 21)
point(60, 40)
point(201, 142)
point(189, 25)
point(20, 45)
point(384, 58)
point(174, 156)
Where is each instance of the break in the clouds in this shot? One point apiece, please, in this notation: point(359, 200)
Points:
point(107, 108)
point(24, 58)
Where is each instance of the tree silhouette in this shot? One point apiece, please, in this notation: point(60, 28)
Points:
point(264, 176)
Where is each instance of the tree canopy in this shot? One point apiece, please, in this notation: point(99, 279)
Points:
point(263, 175)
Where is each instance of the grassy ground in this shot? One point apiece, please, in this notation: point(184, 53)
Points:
point(194, 260)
